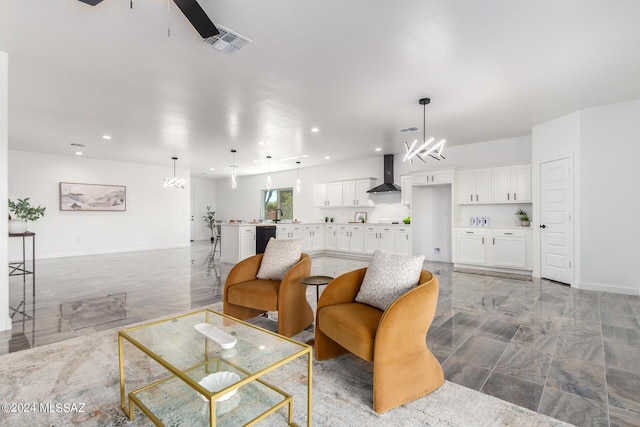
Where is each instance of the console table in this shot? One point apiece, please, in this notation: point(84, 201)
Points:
point(18, 268)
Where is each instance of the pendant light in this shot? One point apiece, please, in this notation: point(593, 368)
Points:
point(434, 151)
point(298, 184)
point(268, 172)
point(233, 170)
point(174, 182)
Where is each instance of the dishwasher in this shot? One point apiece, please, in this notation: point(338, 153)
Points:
point(263, 234)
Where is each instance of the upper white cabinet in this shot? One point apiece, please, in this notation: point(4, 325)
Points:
point(406, 182)
point(342, 193)
point(354, 193)
point(474, 186)
point(326, 195)
point(505, 184)
point(512, 184)
point(433, 177)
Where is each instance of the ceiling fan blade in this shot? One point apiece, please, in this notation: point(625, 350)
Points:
point(198, 18)
point(91, 2)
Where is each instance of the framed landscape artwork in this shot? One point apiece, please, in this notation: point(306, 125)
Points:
point(92, 197)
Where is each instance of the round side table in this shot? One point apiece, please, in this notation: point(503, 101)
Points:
point(316, 281)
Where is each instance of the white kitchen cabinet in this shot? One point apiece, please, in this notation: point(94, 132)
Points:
point(471, 246)
point(356, 238)
point(512, 184)
point(354, 193)
point(379, 237)
point(320, 195)
point(327, 195)
point(406, 184)
point(474, 186)
point(313, 238)
point(330, 237)
point(334, 194)
point(343, 238)
point(403, 240)
point(433, 177)
point(499, 248)
point(289, 231)
point(509, 248)
point(238, 242)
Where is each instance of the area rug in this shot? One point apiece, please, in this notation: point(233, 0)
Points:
point(76, 382)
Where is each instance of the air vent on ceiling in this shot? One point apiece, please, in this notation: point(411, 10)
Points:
point(227, 41)
point(411, 129)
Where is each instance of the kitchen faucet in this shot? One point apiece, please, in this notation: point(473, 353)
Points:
point(277, 219)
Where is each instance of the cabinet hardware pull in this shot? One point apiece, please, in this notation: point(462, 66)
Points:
point(483, 240)
point(494, 240)
point(476, 197)
point(508, 234)
point(508, 196)
point(469, 232)
point(471, 197)
point(514, 196)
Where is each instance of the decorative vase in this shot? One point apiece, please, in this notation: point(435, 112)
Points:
point(17, 226)
point(525, 223)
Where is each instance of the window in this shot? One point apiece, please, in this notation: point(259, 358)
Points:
point(280, 198)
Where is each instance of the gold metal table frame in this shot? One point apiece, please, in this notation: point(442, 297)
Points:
point(173, 394)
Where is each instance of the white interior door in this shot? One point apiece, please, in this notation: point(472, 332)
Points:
point(556, 222)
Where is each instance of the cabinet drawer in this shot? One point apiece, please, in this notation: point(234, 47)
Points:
point(509, 233)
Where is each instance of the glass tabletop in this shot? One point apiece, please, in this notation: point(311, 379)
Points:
point(176, 343)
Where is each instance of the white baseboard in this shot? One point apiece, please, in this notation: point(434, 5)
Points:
point(606, 288)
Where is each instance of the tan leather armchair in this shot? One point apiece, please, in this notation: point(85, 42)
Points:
point(246, 296)
point(404, 368)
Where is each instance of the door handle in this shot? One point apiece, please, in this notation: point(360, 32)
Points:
point(543, 226)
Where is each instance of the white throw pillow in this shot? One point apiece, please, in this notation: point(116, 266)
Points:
point(279, 257)
point(388, 277)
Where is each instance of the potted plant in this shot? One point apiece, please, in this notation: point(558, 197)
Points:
point(524, 217)
point(22, 212)
point(210, 221)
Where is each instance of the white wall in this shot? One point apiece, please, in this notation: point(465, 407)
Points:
point(603, 145)
point(243, 202)
point(431, 215)
point(155, 217)
point(610, 199)
point(203, 194)
point(5, 320)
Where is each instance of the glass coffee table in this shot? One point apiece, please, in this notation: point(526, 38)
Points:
point(168, 391)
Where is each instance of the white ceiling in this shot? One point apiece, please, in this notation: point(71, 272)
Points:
point(355, 69)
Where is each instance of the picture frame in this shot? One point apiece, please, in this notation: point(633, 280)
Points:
point(76, 197)
point(360, 217)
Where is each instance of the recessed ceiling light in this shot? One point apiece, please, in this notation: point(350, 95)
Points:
point(212, 169)
point(327, 157)
point(78, 153)
point(315, 130)
point(255, 161)
point(106, 137)
point(378, 149)
point(75, 144)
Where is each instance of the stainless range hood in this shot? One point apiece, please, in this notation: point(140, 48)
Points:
point(388, 185)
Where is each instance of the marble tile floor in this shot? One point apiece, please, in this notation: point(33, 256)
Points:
point(563, 352)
